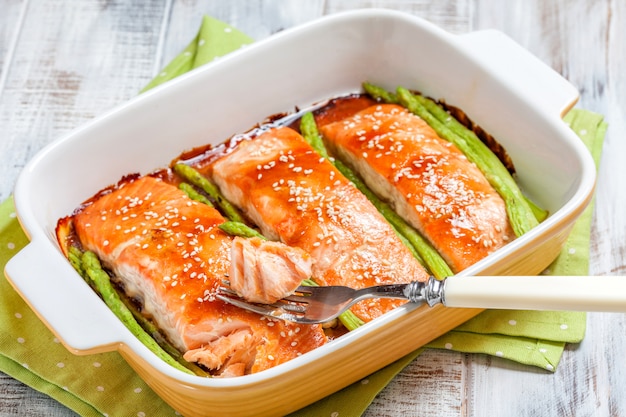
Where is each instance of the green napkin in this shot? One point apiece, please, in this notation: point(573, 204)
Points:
point(92, 385)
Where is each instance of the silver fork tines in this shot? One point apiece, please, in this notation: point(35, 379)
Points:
point(311, 304)
point(290, 308)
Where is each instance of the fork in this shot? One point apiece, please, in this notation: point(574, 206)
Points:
point(310, 305)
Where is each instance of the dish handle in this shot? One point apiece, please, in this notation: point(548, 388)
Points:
point(531, 78)
point(78, 318)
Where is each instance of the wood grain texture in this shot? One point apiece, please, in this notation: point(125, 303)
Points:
point(65, 62)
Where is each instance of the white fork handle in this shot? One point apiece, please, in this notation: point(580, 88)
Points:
point(543, 292)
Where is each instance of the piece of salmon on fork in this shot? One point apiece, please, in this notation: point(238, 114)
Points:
point(166, 251)
point(301, 199)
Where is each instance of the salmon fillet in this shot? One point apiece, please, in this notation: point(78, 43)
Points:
point(168, 253)
point(299, 198)
point(427, 180)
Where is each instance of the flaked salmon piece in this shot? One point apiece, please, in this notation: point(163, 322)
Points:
point(264, 271)
point(168, 252)
point(301, 199)
point(427, 180)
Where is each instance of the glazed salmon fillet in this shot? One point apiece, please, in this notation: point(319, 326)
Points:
point(167, 252)
point(299, 198)
point(427, 180)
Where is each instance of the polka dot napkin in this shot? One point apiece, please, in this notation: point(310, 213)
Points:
point(93, 385)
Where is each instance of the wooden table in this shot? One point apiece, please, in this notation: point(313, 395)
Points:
point(64, 62)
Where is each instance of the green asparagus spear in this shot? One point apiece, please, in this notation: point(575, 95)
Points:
point(539, 213)
point(379, 93)
point(101, 280)
point(428, 255)
point(75, 257)
point(308, 129)
point(240, 229)
point(197, 179)
point(520, 213)
point(194, 194)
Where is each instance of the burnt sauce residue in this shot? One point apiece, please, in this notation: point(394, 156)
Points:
point(333, 110)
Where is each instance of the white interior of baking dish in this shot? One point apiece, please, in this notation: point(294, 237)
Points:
point(499, 85)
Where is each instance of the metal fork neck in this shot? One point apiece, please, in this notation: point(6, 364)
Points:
point(431, 291)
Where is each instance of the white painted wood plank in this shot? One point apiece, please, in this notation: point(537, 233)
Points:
point(73, 60)
point(11, 20)
point(257, 18)
point(452, 16)
point(432, 385)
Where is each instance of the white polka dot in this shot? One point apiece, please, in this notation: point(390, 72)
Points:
point(11, 245)
point(542, 350)
point(163, 74)
point(60, 365)
point(334, 414)
point(549, 367)
point(13, 215)
point(201, 42)
point(512, 322)
point(21, 340)
point(228, 30)
point(571, 251)
point(97, 364)
point(187, 53)
point(499, 354)
point(582, 132)
point(365, 381)
point(137, 390)
point(25, 365)
point(448, 346)
point(141, 414)
point(55, 340)
point(564, 326)
point(100, 388)
point(18, 315)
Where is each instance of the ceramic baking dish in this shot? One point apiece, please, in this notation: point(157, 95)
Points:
point(498, 84)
